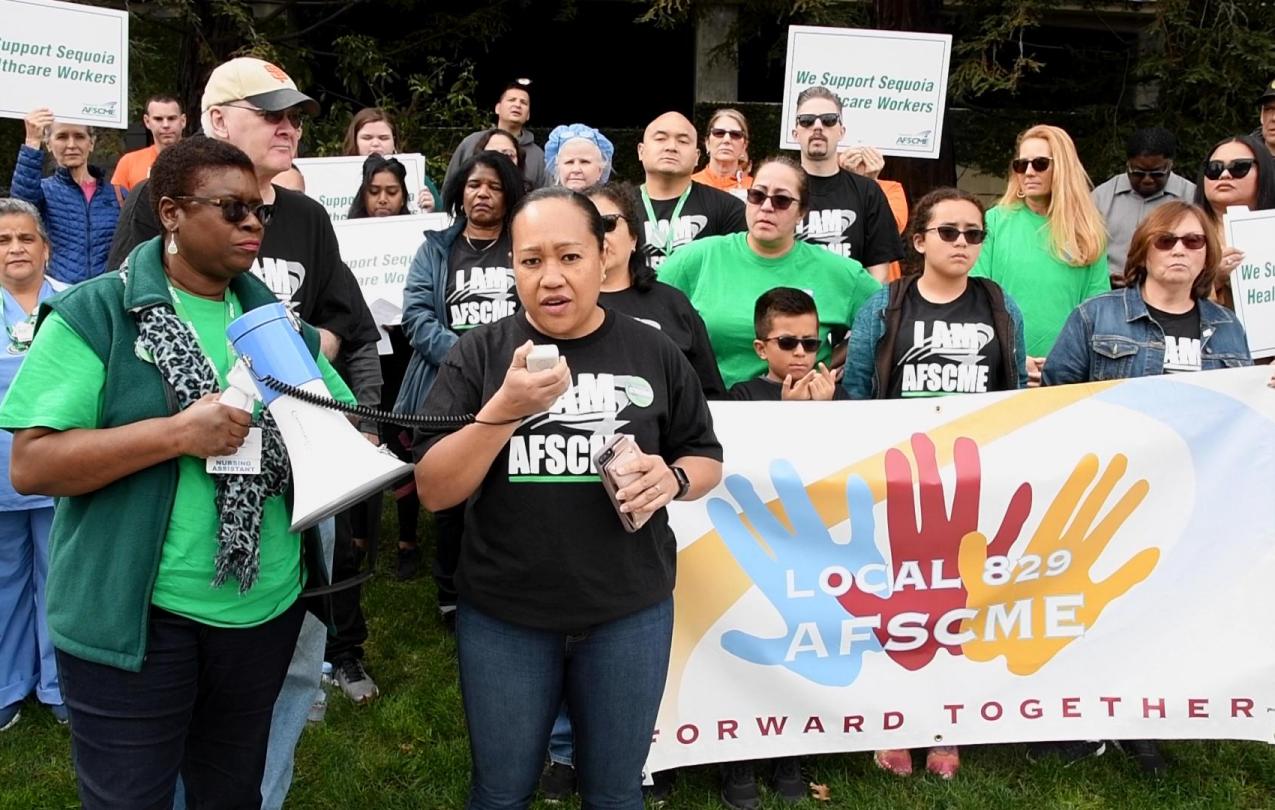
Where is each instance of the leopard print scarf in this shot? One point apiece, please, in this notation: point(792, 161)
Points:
point(240, 498)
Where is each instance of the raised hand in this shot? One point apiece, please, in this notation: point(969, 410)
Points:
point(1045, 598)
point(817, 643)
point(924, 548)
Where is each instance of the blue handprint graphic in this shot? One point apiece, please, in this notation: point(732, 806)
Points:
point(808, 549)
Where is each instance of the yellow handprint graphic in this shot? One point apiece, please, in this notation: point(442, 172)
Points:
point(1030, 607)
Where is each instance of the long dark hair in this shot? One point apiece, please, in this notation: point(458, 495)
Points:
point(1265, 176)
point(374, 165)
point(512, 184)
point(623, 196)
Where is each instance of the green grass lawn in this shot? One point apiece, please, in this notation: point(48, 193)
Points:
point(409, 750)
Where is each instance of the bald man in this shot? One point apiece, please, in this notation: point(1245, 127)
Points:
point(675, 209)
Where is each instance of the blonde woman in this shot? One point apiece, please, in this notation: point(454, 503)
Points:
point(1046, 242)
point(726, 144)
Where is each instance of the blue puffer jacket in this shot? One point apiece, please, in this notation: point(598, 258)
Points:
point(425, 316)
point(80, 232)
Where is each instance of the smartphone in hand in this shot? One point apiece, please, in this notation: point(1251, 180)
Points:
point(620, 450)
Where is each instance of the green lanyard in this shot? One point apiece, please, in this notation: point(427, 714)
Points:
point(672, 221)
point(232, 312)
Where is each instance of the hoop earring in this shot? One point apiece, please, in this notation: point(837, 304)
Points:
point(1021, 194)
point(172, 246)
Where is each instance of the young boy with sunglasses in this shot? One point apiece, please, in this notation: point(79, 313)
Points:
point(787, 328)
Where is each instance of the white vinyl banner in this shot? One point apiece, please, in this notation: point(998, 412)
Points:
point(1082, 562)
point(379, 251)
point(1253, 282)
point(68, 57)
point(892, 85)
point(333, 181)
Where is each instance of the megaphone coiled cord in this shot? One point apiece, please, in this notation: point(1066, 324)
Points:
point(415, 420)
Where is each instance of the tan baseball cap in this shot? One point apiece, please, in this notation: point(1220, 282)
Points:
point(258, 82)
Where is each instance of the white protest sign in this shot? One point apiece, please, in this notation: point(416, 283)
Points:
point(1253, 282)
point(379, 251)
point(70, 58)
point(892, 84)
point(333, 181)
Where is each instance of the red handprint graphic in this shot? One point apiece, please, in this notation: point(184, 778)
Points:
point(916, 545)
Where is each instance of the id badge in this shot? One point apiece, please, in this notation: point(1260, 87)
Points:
point(24, 332)
point(245, 461)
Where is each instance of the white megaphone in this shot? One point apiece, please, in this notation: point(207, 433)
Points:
point(333, 465)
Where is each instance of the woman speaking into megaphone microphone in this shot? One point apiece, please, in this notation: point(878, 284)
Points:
point(588, 424)
point(174, 579)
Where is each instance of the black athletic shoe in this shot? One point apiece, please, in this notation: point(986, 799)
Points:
point(739, 786)
point(1147, 754)
point(787, 781)
point(659, 793)
point(409, 563)
point(1069, 752)
point(557, 783)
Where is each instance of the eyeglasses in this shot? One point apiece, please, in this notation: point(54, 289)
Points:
point(733, 134)
point(1190, 241)
point(1040, 164)
point(234, 210)
point(788, 343)
point(609, 221)
point(274, 117)
point(780, 202)
point(1139, 174)
point(1238, 168)
point(807, 120)
point(948, 233)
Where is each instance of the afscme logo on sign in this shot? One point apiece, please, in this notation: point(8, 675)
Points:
point(921, 138)
point(104, 109)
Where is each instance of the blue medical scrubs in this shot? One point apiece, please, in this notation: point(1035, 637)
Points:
point(26, 651)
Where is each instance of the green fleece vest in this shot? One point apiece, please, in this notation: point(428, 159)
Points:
point(104, 547)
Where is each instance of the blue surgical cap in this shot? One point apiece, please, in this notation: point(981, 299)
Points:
point(569, 132)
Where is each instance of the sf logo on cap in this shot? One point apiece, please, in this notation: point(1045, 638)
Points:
point(276, 72)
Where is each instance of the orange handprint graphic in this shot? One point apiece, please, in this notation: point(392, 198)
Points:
point(1031, 606)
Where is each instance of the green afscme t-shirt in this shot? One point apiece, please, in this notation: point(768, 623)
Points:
point(1019, 256)
point(60, 386)
point(723, 277)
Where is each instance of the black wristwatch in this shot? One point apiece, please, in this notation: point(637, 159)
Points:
point(683, 483)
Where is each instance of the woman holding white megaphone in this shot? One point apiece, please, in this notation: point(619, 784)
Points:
point(560, 596)
point(173, 584)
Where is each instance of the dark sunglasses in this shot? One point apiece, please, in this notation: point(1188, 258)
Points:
point(235, 211)
point(1139, 174)
point(948, 233)
point(1238, 168)
point(275, 117)
point(807, 120)
point(788, 343)
point(780, 202)
point(609, 221)
point(1190, 241)
point(733, 134)
point(1040, 164)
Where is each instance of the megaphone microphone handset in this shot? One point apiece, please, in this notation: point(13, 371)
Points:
point(333, 466)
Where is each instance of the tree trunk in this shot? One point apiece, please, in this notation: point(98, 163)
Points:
point(207, 40)
point(918, 175)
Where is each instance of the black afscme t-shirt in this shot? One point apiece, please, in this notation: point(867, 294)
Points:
point(543, 546)
point(706, 212)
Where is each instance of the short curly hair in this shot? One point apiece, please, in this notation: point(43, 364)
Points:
point(180, 167)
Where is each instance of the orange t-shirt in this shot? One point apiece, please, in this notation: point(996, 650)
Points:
point(724, 183)
point(134, 167)
point(898, 199)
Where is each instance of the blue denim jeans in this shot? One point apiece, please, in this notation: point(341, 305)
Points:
point(561, 747)
point(513, 680)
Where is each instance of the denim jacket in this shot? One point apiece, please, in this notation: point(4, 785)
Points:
point(1112, 336)
point(425, 316)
